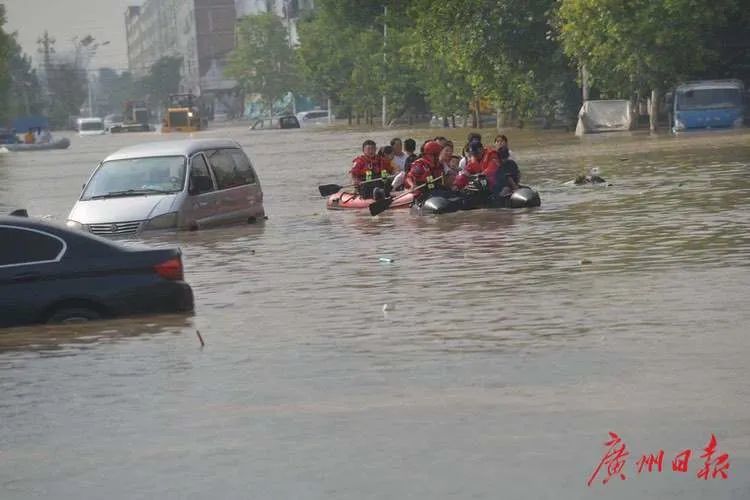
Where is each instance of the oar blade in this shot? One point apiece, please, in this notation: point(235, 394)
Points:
point(380, 206)
point(329, 189)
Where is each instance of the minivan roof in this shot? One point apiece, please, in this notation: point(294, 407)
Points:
point(186, 147)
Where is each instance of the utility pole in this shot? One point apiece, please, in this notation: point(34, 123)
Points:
point(46, 48)
point(385, 61)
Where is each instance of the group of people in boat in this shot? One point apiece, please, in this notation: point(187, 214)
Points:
point(479, 170)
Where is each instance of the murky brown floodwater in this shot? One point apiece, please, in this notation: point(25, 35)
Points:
point(498, 375)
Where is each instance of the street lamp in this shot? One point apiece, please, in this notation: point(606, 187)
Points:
point(92, 53)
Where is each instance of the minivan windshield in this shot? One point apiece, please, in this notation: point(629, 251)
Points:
point(92, 126)
point(137, 177)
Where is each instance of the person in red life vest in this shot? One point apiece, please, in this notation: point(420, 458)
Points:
point(387, 164)
point(484, 162)
point(366, 169)
point(426, 170)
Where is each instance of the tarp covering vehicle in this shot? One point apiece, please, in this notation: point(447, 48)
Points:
point(604, 116)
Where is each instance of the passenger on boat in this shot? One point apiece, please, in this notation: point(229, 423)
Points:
point(28, 137)
point(426, 170)
point(508, 176)
point(502, 141)
point(399, 156)
point(472, 138)
point(387, 162)
point(410, 145)
point(367, 170)
point(483, 162)
point(449, 171)
point(45, 137)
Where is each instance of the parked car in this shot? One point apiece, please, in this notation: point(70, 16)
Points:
point(51, 274)
point(315, 117)
point(186, 184)
point(90, 126)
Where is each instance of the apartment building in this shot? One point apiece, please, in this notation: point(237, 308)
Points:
point(199, 31)
point(202, 33)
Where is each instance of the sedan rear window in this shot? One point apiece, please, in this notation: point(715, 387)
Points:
point(26, 246)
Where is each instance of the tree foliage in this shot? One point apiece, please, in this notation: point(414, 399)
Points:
point(263, 62)
point(640, 45)
point(24, 90)
point(67, 91)
point(4, 74)
point(163, 78)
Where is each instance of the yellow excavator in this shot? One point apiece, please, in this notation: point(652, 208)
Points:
point(183, 114)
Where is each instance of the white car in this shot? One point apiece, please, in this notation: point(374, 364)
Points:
point(90, 126)
point(315, 117)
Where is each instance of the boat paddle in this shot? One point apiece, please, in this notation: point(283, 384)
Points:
point(380, 206)
point(329, 189)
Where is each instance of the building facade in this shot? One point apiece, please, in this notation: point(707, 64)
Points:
point(202, 32)
point(288, 10)
point(199, 31)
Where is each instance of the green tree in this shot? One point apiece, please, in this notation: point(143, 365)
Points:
point(4, 60)
point(263, 62)
point(324, 57)
point(163, 79)
point(67, 89)
point(507, 54)
point(116, 88)
point(25, 94)
point(638, 46)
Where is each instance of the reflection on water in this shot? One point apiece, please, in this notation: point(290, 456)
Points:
point(511, 343)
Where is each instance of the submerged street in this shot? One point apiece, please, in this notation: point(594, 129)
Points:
point(497, 371)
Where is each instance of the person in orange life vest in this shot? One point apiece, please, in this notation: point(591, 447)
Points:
point(387, 164)
point(425, 170)
point(367, 167)
point(481, 162)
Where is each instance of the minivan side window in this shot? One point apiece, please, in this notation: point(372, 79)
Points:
point(244, 169)
point(199, 168)
point(229, 173)
point(25, 246)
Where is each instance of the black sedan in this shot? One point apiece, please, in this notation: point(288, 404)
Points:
point(52, 274)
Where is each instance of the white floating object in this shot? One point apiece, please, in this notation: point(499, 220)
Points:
point(388, 307)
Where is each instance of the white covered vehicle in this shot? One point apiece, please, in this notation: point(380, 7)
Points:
point(604, 116)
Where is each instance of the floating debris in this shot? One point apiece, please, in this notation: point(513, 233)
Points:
point(389, 307)
point(584, 261)
point(386, 259)
point(198, 333)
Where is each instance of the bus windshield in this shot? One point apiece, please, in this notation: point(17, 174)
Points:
point(722, 98)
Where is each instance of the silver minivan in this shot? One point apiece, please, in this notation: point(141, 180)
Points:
point(187, 184)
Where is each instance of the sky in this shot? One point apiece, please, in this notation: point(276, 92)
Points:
point(64, 19)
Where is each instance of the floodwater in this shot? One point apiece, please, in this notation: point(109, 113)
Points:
point(515, 341)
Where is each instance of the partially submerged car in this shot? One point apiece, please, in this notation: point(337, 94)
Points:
point(52, 274)
point(186, 184)
point(90, 126)
point(604, 116)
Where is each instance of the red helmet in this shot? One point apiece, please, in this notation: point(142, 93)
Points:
point(432, 148)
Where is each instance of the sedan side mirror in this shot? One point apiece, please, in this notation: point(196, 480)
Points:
point(200, 184)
